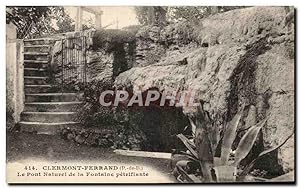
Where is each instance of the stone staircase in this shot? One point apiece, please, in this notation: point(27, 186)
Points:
point(46, 110)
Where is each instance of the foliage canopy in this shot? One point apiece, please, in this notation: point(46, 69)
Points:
point(33, 21)
point(148, 15)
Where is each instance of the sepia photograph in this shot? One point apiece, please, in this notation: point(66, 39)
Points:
point(150, 94)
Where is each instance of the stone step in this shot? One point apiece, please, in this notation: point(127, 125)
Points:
point(36, 61)
point(38, 41)
point(52, 97)
point(46, 128)
point(36, 64)
point(42, 72)
point(35, 80)
point(37, 48)
point(36, 53)
point(36, 56)
point(48, 117)
point(52, 106)
point(39, 88)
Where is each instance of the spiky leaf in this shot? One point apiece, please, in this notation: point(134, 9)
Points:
point(203, 145)
point(188, 145)
point(193, 126)
point(247, 142)
point(204, 151)
point(248, 168)
point(214, 137)
point(206, 167)
point(191, 178)
point(229, 136)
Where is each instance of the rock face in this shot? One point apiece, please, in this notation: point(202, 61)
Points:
point(248, 57)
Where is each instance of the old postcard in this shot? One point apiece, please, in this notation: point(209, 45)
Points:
point(150, 94)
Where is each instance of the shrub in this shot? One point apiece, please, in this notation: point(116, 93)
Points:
point(202, 149)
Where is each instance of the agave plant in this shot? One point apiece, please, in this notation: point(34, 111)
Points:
point(200, 164)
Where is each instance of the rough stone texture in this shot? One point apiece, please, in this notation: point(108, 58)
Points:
point(275, 72)
point(148, 48)
point(99, 65)
point(248, 59)
point(98, 62)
